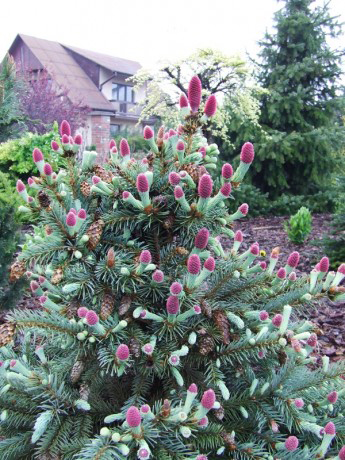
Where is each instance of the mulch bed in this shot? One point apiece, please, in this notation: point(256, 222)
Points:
point(269, 233)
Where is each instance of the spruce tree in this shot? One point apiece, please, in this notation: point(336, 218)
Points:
point(153, 340)
point(301, 110)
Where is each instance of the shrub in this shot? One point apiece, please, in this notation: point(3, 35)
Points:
point(16, 154)
point(9, 240)
point(155, 342)
point(299, 226)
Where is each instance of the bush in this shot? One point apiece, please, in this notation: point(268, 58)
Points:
point(299, 226)
point(9, 240)
point(16, 154)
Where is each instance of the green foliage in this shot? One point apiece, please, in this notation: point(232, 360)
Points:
point(262, 205)
point(335, 243)
point(299, 226)
point(10, 111)
point(71, 375)
point(300, 125)
point(16, 154)
point(9, 240)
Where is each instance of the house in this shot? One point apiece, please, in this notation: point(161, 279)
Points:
point(97, 80)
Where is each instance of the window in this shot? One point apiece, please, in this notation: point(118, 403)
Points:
point(123, 93)
point(114, 130)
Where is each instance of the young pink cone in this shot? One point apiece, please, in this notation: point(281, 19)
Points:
point(47, 169)
point(172, 132)
point(178, 192)
point(211, 106)
point(183, 101)
point(332, 397)
point(208, 399)
point(205, 186)
point(65, 139)
point(293, 259)
point(174, 178)
point(341, 453)
point(291, 443)
point(263, 315)
point(142, 183)
point(194, 93)
point(281, 273)
point(38, 158)
point(133, 417)
point(324, 265)
point(299, 403)
point(65, 128)
point(194, 264)
point(158, 276)
point(226, 189)
point(173, 305)
point(277, 320)
point(176, 288)
point(122, 352)
point(148, 133)
point(71, 219)
point(145, 257)
point(246, 157)
point(201, 239)
point(91, 318)
point(55, 146)
point(78, 140)
point(227, 171)
point(112, 144)
point(125, 151)
point(82, 312)
point(210, 264)
point(330, 428)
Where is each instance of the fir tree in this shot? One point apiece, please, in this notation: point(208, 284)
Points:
point(335, 243)
point(153, 341)
point(300, 112)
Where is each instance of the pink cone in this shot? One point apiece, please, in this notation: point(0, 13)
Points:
point(37, 155)
point(82, 214)
point(277, 320)
point(324, 264)
point(142, 183)
point(71, 219)
point(183, 101)
point(178, 192)
point(65, 128)
point(124, 148)
point(133, 417)
point(122, 352)
point(208, 399)
point(227, 171)
point(193, 388)
point(78, 140)
point(176, 288)
point(201, 239)
point(247, 153)
point(82, 312)
point(291, 443)
point(211, 106)
point(330, 428)
point(194, 93)
point(180, 146)
point(244, 209)
point(91, 318)
point(47, 169)
point(20, 186)
point(148, 133)
point(158, 276)
point(293, 259)
point(194, 264)
point(281, 273)
point(238, 236)
point(173, 305)
point(55, 146)
point(210, 264)
point(205, 186)
point(145, 257)
point(174, 178)
point(226, 189)
point(263, 315)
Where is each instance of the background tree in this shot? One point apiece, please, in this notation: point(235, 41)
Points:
point(10, 111)
point(225, 76)
point(42, 103)
point(300, 111)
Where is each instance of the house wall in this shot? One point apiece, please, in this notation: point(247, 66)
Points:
point(100, 133)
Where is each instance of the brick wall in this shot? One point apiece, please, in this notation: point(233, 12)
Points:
point(100, 133)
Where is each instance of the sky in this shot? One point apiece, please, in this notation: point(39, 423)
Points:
point(147, 31)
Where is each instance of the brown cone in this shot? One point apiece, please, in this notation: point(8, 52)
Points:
point(206, 345)
point(17, 270)
point(57, 276)
point(7, 331)
point(94, 233)
point(125, 304)
point(222, 324)
point(195, 171)
point(107, 306)
point(134, 347)
point(105, 175)
point(76, 371)
point(85, 188)
point(84, 391)
point(43, 199)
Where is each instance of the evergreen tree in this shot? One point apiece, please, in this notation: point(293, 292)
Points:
point(10, 289)
point(153, 341)
point(10, 112)
point(300, 112)
point(335, 243)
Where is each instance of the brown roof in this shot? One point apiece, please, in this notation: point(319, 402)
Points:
point(67, 73)
point(115, 64)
